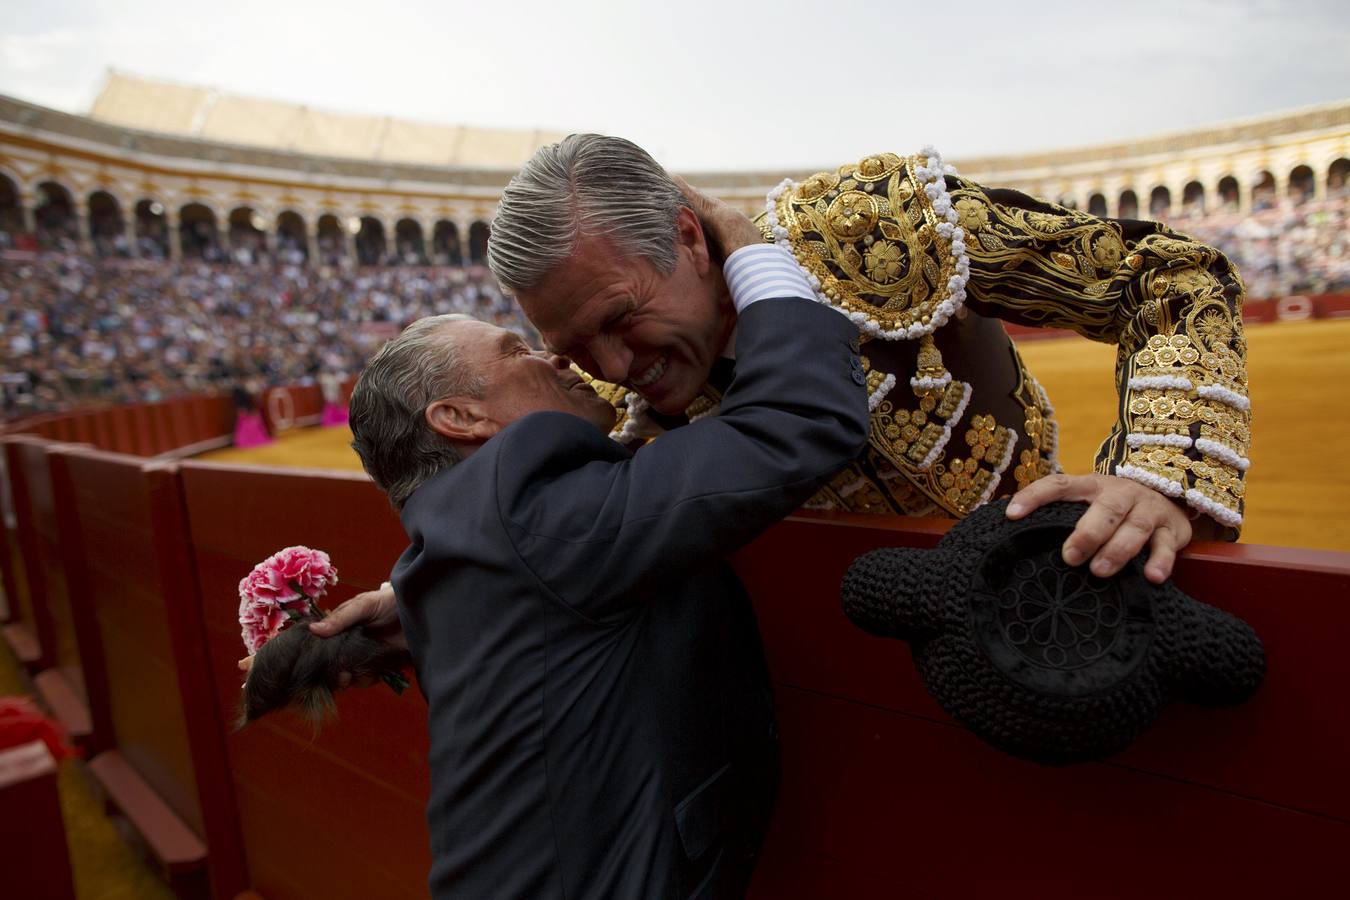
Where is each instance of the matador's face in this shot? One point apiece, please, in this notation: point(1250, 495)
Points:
point(625, 322)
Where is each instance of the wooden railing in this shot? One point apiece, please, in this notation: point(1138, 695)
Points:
point(883, 795)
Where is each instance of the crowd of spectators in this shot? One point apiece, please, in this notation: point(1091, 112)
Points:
point(245, 316)
point(76, 330)
point(1299, 246)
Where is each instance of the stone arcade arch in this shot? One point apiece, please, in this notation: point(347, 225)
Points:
point(410, 247)
point(445, 249)
point(1228, 193)
point(330, 240)
point(12, 223)
point(1129, 205)
point(107, 230)
point(1338, 177)
point(478, 238)
point(151, 229)
point(1160, 203)
point(1096, 205)
point(198, 233)
point(1193, 199)
point(292, 238)
point(248, 236)
point(1302, 184)
point(54, 216)
point(370, 243)
point(1263, 191)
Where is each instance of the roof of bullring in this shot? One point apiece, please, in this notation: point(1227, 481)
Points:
point(193, 123)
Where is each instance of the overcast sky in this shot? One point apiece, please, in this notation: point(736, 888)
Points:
point(717, 85)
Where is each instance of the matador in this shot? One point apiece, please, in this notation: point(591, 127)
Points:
point(925, 263)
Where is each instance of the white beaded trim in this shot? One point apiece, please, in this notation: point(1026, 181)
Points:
point(1048, 413)
point(1224, 395)
point(1223, 453)
point(1218, 511)
point(926, 384)
point(637, 418)
point(1174, 382)
point(1001, 468)
point(852, 487)
point(1138, 439)
point(930, 175)
point(1157, 482)
point(874, 399)
point(946, 431)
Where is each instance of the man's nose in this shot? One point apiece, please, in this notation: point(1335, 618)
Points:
point(613, 358)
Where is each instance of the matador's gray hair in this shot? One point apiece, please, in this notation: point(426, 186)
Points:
point(389, 427)
point(586, 184)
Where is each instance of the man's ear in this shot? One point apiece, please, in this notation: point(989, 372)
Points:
point(463, 420)
point(689, 233)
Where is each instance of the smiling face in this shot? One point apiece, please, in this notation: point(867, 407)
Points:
point(625, 322)
point(518, 381)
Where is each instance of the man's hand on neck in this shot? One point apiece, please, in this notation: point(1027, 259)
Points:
point(728, 230)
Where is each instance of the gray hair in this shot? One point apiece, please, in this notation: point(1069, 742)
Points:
point(389, 428)
point(585, 185)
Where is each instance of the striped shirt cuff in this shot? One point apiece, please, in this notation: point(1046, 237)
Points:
point(762, 271)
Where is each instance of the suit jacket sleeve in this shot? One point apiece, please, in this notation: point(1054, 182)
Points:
point(1173, 307)
point(598, 524)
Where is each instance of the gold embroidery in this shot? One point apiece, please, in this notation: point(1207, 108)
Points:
point(611, 393)
point(885, 262)
point(868, 234)
point(965, 483)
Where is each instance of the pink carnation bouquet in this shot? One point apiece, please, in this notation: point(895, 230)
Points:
point(284, 587)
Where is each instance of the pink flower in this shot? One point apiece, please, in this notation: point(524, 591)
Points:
point(285, 583)
point(266, 584)
point(260, 622)
point(309, 570)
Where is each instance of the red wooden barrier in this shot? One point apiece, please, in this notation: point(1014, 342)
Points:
point(33, 852)
point(149, 650)
point(340, 815)
point(82, 425)
point(31, 636)
point(142, 429)
point(20, 629)
point(1249, 801)
point(104, 434)
point(161, 426)
point(124, 430)
point(60, 627)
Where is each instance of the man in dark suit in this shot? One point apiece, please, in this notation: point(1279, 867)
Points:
point(600, 713)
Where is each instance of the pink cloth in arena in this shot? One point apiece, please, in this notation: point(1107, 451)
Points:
point(333, 414)
point(249, 431)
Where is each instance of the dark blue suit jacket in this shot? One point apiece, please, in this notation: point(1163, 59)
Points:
point(600, 715)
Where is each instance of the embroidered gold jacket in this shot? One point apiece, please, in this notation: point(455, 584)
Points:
point(925, 262)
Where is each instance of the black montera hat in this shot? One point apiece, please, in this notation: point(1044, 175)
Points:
point(1044, 660)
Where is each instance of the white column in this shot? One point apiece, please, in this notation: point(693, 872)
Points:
point(171, 235)
point(351, 242)
point(463, 228)
point(82, 237)
point(28, 205)
point(428, 239)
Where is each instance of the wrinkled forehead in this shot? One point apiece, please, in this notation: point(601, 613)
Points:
point(470, 335)
point(580, 288)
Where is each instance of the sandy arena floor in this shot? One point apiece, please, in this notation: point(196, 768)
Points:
point(1297, 372)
